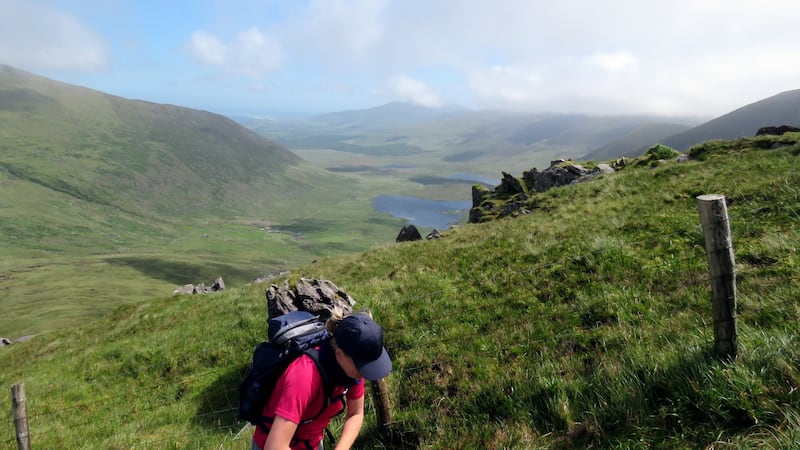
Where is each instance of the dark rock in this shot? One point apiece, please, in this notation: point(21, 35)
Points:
point(408, 233)
point(552, 177)
point(776, 131)
point(511, 208)
point(433, 234)
point(219, 285)
point(475, 214)
point(509, 185)
point(479, 193)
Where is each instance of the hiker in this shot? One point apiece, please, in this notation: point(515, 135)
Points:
point(354, 352)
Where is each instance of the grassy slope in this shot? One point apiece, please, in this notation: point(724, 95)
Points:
point(66, 260)
point(105, 201)
point(585, 323)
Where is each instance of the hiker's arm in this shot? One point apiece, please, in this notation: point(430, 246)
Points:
point(280, 434)
point(353, 419)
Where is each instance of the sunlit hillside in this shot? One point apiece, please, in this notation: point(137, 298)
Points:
point(584, 324)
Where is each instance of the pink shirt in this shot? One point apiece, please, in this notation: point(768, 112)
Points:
point(299, 396)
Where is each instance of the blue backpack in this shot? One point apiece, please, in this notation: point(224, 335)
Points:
point(289, 336)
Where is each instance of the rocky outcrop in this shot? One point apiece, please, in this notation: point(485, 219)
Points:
point(510, 198)
point(509, 185)
point(553, 176)
point(776, 131)
point(219, 285)
point(319, 297)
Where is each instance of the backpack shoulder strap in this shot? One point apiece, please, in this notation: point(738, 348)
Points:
point(326, 385)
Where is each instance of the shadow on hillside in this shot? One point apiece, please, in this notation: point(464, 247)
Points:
point(218, 403)
point(181, 272)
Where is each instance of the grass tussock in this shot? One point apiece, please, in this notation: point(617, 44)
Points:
point(585, 324)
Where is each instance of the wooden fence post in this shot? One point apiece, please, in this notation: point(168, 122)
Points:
point(719, 248)
point(380, 396)
point(20, 416)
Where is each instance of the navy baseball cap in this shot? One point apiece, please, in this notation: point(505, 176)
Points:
point(362, 339)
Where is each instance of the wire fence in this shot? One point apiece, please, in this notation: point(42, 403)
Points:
point(222, 414)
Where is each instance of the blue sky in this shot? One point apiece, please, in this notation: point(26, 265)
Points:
point(293, 57)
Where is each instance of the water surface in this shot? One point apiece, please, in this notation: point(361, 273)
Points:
point(422, 212)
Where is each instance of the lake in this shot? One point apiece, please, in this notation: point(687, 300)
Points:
point(421, 212)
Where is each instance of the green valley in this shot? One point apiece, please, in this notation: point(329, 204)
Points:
point(106, 201)
point(584, 324)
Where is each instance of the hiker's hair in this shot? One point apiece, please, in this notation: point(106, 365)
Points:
point(333, 322)
point(336, 317)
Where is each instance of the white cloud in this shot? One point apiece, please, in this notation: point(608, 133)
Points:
point(208, 49)
point(613, 61)
point(341, 31)
point(505, 85)
point(683, 56)
point(412, 90)
point(37, 36)
point(252, 53)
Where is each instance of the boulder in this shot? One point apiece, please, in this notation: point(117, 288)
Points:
point(596, 172)
point(219, 285)
point(509, 185)
point(434, 234)
point(604, 168)
point(408, 233)
point(280, 300)
point(479, 193)
point(553, 177)
point(319, 297)
point(187, 289)
point(776, 131)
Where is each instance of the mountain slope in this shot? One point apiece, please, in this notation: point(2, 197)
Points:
point(105, 200)
point(635, 142)
point(780, 109)
point(132, 154)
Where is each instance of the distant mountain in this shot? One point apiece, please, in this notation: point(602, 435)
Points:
point(635, 142)
point(390, 115)
point(138, 156)
point(780, 109)
point(461, 140)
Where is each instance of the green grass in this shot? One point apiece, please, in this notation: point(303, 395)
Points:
point(586, 324)
point(65, 256)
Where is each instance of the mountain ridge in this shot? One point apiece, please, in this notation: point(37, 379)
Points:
point(134, 150)
point(780, 109)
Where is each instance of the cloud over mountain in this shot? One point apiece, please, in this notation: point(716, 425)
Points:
point(38, 36)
